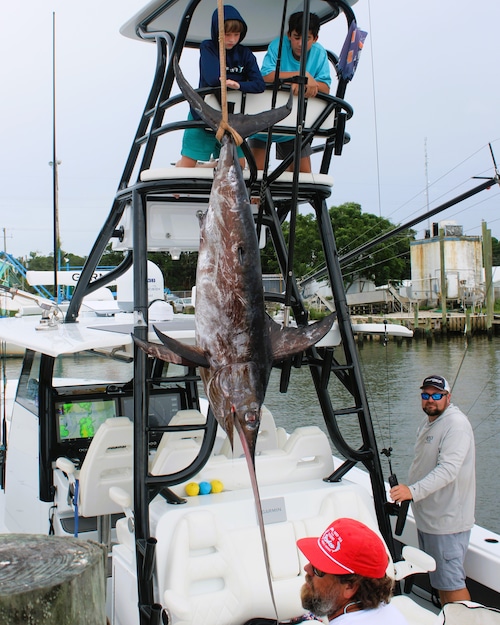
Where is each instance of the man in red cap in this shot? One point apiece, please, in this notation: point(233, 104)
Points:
point(442, 485)
point(346, 578)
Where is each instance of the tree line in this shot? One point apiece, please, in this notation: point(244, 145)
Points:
point(389, 261)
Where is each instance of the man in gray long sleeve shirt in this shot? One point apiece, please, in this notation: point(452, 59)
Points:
point(443, 487)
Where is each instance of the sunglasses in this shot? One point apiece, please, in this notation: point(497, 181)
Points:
point(435, 396)
point(317, 572)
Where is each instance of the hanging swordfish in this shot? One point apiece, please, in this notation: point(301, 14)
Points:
point(236, 341)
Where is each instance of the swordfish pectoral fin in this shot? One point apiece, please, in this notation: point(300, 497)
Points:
point(169, 355)
point(287, 342)
point(190, 355)
point(245, 125)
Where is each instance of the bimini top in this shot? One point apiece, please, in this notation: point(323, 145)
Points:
point(263, 18)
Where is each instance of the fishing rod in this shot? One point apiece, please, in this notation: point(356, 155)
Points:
point(488, 182)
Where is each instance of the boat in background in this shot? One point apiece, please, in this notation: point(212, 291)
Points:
point(172, 555)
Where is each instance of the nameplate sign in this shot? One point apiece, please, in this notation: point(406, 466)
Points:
point(274, 510)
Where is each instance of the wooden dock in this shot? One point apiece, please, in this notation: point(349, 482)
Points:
point(430, 323)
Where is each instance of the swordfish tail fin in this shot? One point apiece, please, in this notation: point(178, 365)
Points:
point(245, 125)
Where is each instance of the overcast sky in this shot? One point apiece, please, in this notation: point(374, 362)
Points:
point(426, 95)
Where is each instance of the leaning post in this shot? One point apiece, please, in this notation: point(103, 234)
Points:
point(488, 278)
point(444, 287)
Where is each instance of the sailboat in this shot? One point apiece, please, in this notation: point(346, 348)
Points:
point(171, 553)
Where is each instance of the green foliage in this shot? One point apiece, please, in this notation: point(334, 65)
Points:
point(495, 245)
point(352, 228)
point(388, 261)
point(179, 275)
point(36, 262)
point(308, 251)
point(111, 258)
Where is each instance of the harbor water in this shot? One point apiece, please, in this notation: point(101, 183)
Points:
point(392, 374)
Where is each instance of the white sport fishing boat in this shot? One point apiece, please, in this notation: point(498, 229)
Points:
point(198, 559)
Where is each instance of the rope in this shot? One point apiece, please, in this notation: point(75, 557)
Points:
point(224, 124)
point(225, 127)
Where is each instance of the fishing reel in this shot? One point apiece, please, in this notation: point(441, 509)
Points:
point(399, 510)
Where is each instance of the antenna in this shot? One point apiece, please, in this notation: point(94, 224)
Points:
point(54, 164)
point(497, 173)
point(493, 159)
point(426, 182)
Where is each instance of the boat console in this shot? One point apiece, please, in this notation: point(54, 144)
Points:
point(80, 411)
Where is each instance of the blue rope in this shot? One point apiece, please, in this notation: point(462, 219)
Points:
point(75, 503)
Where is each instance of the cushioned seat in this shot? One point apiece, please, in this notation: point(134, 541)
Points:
point(178, 450)
point(305, 455)
point(216, 572)
point(109, 462)
point(266, 439)
point(205, 584)
point(207, 173)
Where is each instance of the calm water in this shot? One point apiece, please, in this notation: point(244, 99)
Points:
point(393, 375)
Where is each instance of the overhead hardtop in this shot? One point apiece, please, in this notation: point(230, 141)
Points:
point(263, 18)
point(89, 334)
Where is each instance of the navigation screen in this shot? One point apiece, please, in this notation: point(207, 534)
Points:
point(82, 419)
point(162, 408)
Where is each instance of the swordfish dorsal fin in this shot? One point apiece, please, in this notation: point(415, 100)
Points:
point(287, 342)
point(245, 125)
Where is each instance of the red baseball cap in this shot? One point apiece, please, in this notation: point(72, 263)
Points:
point(347, 546)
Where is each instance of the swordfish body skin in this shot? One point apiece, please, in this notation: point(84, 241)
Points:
point(231, 322)
point(237, 343)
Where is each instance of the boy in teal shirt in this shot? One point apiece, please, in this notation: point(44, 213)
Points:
point(317, 74)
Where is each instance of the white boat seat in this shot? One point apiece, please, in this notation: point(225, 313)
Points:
point(306, 455)
point(108, 462)
point(414, 613)
point(207, 173)
point(252, 103)
point(205, 580)
point(217, 574)
point(266, 439)
point(468, 613)
point(216, 570)
point(178, 450)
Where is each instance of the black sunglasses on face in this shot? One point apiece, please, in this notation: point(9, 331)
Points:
point(435, 396)
point(317, 572)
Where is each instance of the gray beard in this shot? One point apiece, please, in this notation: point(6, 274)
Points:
point(316, 604)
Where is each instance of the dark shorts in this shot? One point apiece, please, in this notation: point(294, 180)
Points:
point(283, 148)
point(449, 552)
